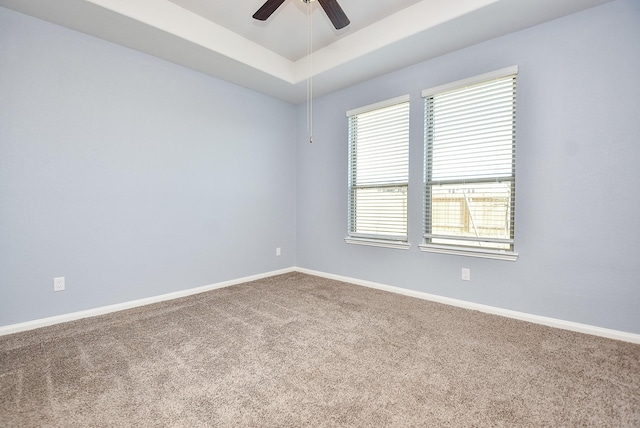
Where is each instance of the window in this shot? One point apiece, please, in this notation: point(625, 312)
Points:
point(470, 142)
point(379, 173)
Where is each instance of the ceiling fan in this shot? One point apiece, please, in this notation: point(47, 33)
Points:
point(331, 8)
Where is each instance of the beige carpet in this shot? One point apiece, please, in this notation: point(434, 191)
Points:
point(297, 350)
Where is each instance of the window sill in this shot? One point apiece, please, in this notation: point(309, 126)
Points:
point(470, 252)
point(378, 243)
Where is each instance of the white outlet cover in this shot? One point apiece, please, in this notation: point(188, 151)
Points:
point(58, 283)
point(466, 274)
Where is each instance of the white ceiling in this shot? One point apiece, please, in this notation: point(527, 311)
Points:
point(220, 38)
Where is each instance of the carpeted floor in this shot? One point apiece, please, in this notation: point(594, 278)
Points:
point(297, 350)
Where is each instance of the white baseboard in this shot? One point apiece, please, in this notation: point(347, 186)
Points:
point(551, 322)
point(43, 322)
point(537, 319)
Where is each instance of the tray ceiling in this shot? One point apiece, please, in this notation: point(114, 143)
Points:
point(220, 38)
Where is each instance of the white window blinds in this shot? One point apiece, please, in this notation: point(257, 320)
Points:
point(379, 170)
point(470, 162)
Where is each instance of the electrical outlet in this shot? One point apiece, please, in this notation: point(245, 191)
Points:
point(466, 274)
point(278, 251)
point(58, 284)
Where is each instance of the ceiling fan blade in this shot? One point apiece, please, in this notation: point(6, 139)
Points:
point(267, 9)
point(335, 13)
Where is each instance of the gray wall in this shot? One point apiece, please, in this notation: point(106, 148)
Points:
point(130, 176)
point(578, 179)
point(133, 177)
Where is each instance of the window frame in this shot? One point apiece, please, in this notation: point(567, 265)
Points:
point(458, 249)
point(372, 239)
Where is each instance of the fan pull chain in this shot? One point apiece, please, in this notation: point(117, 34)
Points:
point(309, 71)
